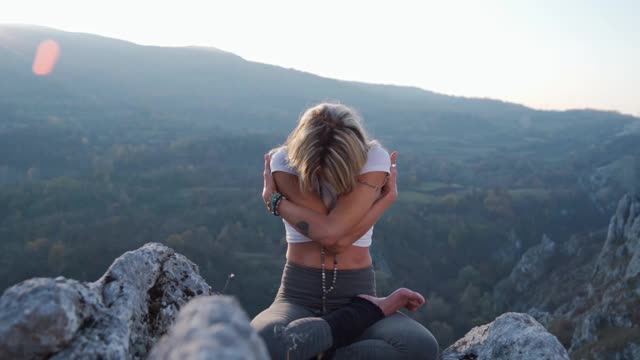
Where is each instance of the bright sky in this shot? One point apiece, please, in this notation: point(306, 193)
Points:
point(551, 54)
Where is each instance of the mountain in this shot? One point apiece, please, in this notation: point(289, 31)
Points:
point(124, 144)
point(207, 84)
point(201, 80)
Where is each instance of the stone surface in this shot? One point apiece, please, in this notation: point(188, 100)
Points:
point(120, 316)
point(512, 336)
point(589, 295)
point(607, 322)
point(211, 327)
point(608, 183)
point(42, 316)
point(532, 266)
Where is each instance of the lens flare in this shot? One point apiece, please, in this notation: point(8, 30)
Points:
point(46, 58)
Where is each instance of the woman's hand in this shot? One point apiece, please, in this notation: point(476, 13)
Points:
point(390, 189)
point(269, 186)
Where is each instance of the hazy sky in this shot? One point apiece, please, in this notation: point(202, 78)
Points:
point(553, 54)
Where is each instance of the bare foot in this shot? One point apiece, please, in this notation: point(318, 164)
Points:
point(400, 298)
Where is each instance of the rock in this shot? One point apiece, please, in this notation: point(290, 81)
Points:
point(607, 321)
point(211, 327)
point(541, 316)
point(534, 263)
point(42, 316)
point(511, 336)
point(119, 316)
point(511, 250)
point(590, 297)
point(619, 258)
point(608, 183)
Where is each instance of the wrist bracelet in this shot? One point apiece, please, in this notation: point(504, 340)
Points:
point(276, 198)
point(275, 210)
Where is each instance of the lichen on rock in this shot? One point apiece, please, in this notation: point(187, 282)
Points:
point(120, 316)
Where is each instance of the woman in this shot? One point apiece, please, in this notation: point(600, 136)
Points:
point(330, 183)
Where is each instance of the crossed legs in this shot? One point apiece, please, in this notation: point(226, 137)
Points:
point(292, 331)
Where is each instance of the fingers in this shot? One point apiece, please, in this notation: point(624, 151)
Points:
point(394, 158)
point(413, 306)
point(394, 171)
point(416, 303)
point(267, 167)
point(267, 164)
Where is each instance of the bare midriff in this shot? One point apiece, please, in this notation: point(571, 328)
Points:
point(308, 254)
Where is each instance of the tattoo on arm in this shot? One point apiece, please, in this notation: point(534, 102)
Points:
point(303, 226)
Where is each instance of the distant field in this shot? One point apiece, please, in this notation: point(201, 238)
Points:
point(415, 196)
point(431, 191)
point(537, 193)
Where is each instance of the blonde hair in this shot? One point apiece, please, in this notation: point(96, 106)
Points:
point(329, 143)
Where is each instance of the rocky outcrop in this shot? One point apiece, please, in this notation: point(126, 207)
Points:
point(211, 327)
point(607, 320)
point(589, 293)
point(119, 316)
point(534, 263)
point(512, 336)
point(608, 183)
point(619, 259)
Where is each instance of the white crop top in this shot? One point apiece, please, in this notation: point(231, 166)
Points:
point(377, 160)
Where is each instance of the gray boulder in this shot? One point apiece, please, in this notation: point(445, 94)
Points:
point(211, 327)
point(42, 316)
point(120, 316)
point(512, 336)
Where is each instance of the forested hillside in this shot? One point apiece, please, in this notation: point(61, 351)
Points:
point(125, 144)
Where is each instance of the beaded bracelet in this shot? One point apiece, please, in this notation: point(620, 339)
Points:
point(275, 210)
point(276, 198)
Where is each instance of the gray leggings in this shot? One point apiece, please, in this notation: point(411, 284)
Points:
point(394, 337)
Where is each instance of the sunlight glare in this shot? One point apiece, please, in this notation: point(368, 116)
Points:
point(46, 58)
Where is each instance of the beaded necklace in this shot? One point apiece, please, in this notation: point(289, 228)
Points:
point(325, 291)
point(324, 281)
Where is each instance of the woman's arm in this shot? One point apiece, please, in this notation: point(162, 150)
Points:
point(379, 207)
point(350, 211)
point(327, 229)
point(386, 199)
point(288, 185)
